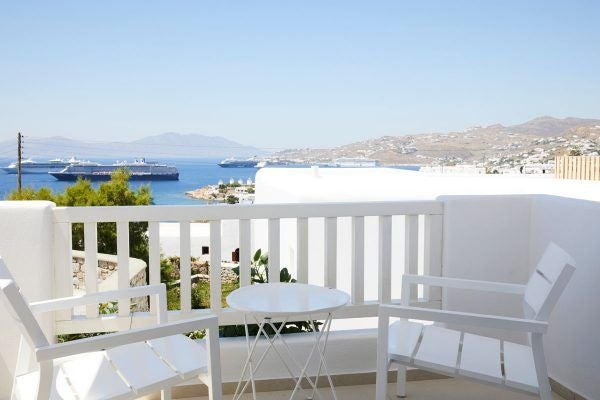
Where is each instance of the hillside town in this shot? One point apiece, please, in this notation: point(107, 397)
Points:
point(232, 192)
point(527, 148)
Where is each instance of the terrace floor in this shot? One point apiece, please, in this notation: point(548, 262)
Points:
point(435, 389)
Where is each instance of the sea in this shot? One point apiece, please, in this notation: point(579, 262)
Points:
point(193, 174)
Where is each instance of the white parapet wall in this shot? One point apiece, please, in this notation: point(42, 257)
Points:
point(26, 245)
point(200, 237)
point(501, 238)
point(573, 342)
point(487, 238)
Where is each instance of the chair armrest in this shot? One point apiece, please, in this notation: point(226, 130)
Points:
point(103, 342)
point(485, 286)
point(98, 297)
point(464, 318)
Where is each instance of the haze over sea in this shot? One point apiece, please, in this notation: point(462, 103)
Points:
point(193, 173)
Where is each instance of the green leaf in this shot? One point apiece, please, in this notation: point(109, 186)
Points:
point(257, 255)
point(264, 259)
point(284, 275)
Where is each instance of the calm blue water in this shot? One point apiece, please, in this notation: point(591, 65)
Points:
point(193, 174)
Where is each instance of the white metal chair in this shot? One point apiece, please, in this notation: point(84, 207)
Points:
point(122, 365)
point(466, 355)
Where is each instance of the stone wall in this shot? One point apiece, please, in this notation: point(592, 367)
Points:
point(107, 266)
point(200, 271)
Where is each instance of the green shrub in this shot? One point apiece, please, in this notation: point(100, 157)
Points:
point(116, 192)
point(200, 295)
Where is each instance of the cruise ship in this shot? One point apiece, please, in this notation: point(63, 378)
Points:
point(275, 162)
point(39, 167)
point(139, 170)
point(356, 162)
point(235, 163)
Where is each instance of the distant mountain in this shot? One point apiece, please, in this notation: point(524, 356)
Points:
point(549, 126)
point(553, 135)
point(166, 145)
point(192, 140)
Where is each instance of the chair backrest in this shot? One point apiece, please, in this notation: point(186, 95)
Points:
point(19, 310)
point(552, 273)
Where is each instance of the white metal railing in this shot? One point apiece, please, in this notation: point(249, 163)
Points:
point(430, 212)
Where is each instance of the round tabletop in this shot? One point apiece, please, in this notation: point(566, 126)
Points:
point(283, 299)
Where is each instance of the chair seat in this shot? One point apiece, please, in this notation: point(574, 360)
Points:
point(460, 353)
point(122, 372)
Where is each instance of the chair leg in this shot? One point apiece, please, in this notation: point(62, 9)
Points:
point(165, 394)
point(382, 357)
point(401, 381)
point(215, 390)
point(541, 371)
point(46, 379)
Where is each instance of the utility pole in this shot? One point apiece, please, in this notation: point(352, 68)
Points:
point(19, 156)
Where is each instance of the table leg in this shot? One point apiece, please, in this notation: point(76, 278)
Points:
point(326, 327)
point(251, 373)
point(318, 335)
point(252, 367)
point(248, 363)
point(323, 363)
point(291, 356)
point(271, 342)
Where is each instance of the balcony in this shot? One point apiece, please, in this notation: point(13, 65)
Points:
point(361, 247)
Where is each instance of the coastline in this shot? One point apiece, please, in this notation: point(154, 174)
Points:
point(231, 193)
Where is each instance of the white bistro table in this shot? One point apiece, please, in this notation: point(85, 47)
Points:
point(282, 302)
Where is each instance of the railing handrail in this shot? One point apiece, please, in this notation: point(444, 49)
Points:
point(244, 211)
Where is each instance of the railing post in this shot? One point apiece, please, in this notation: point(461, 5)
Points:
point(91, 264)
point(330, 248)
point(63, 266)
point(215, 266)
point(411, 250)
point(244, 238)
point(154, 259)
point(358, 260)
point(385, 259)
point(123, 264)
point(302, 250)
point(433, 254)
point(274, 244)
point(185, 267)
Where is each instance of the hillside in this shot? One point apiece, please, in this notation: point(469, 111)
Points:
point(549, 126)
point(545, 135)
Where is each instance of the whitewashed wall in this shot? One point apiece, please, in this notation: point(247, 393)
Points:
point(200, 237)
point(486, 238)
point(26, 246)
point(501, 238)
point(573, 341)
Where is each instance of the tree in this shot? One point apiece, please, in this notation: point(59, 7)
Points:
point(231, 199)
point(574, 152)
point(116, 192)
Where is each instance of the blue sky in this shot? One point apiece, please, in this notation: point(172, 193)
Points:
point(292, 74)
